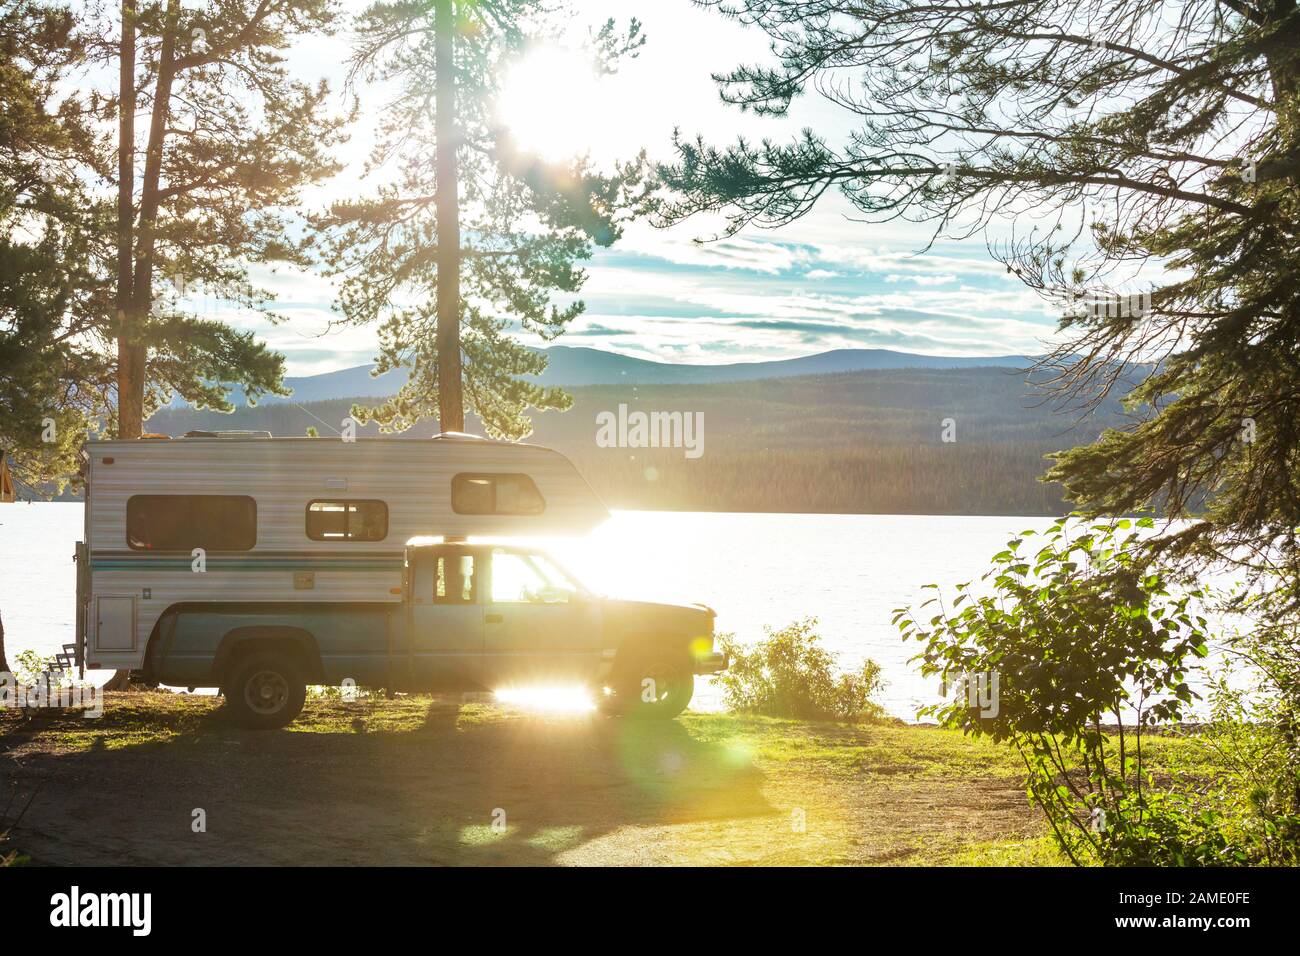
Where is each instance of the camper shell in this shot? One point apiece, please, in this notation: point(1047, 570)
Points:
point(323, 560)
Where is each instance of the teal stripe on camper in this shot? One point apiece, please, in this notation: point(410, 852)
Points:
point(346, 554)
point(184, 563)
point(240, 566)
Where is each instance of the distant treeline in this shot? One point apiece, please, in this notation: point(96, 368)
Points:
point(858, 442)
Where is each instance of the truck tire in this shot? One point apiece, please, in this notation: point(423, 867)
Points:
point(651, 684)
point(266, 690)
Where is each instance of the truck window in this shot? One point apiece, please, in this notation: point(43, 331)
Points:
point(347, 520)
point(523, 579)
point(486, 494)
point(453, 579)
point(185, 522)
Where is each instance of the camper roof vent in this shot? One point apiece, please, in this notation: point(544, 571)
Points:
point(228, 434)
point(459, 436)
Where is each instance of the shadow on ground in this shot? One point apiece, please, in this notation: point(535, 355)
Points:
point(448, 786)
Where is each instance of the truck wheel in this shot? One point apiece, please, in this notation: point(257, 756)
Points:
point(652, 685)
point(266, 690)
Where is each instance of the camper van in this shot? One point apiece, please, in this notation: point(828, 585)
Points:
point(262, 565)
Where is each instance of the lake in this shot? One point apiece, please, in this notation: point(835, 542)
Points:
point(756, 570)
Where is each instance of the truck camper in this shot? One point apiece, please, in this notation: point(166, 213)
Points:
point(262, 565)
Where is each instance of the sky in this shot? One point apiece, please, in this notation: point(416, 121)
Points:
point(823, 282)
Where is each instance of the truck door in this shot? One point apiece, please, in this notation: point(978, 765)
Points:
point(538, 627)
point(446, 618)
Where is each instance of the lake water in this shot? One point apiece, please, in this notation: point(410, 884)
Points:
point(756, 570)
point(767, 570)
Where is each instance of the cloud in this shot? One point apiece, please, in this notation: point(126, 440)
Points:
point(760, 299)
point(678, 246)
point(598, 330)
point(922, 280)
point(956, 259)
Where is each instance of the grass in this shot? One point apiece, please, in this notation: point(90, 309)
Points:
point(415, 780)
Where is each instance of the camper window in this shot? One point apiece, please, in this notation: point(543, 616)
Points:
point(495, 495)
point(347, 521)
point(185, 522)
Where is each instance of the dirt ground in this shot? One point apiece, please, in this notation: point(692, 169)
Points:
point(421, 781)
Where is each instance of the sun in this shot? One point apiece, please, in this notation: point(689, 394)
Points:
point(548, 103)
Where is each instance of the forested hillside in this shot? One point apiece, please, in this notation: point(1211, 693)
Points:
point(869, 442)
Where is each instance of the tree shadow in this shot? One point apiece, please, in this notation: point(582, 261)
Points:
point(453, 786)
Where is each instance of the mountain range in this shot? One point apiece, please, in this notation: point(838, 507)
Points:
point(577, 366)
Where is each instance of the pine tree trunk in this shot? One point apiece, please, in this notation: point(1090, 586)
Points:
point(4, 661)
point(130, 356)
point(130, 352)
point(451, 409)
point(150, 183)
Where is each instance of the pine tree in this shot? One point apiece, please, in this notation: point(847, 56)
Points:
point(470, 237)
point(53, 382)
point(231, 140)
point(87, 340)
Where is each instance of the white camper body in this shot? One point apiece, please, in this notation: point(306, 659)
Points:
point(150, 503)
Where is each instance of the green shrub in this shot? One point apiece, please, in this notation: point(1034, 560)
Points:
point(788, 674)
point(1090, 649)
point(30, 667)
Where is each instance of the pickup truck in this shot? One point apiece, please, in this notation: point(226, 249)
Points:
point(471, 618)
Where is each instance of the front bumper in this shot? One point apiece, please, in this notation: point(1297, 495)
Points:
point(711, 662)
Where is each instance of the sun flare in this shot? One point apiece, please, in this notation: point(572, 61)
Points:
point(547, 103)
point(548, 699)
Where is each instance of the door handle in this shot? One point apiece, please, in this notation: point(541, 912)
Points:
point(495, 618)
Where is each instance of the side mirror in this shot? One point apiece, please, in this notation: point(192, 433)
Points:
point(549, 594)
